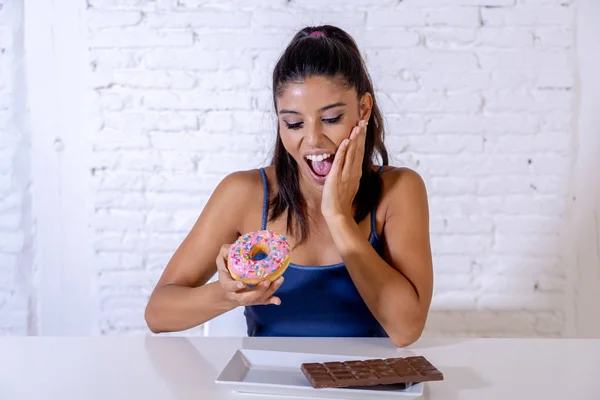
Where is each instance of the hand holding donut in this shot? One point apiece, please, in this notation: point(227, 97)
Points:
point(343, 180)
point(238, 292)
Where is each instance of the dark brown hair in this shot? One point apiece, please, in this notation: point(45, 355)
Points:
point(333, 54)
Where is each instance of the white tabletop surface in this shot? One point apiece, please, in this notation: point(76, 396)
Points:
point(151, 368)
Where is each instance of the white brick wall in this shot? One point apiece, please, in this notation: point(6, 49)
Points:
point(15, 264)
point(477, 94)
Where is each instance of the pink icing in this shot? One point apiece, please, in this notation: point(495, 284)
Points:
point(245, 267)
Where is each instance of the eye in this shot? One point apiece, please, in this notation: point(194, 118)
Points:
point(297, 125)
point(333, 120)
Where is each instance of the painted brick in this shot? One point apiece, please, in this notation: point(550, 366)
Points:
point(477, 97)
point(527, 16)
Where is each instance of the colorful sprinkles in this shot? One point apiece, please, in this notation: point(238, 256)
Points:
point(241, 252)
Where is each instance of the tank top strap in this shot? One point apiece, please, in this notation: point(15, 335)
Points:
point(374, 211)
point(265, 199)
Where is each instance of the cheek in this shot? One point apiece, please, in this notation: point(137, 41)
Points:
point(339, 132)
point(290, 142)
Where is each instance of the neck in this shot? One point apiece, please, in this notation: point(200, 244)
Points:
point(312, 195)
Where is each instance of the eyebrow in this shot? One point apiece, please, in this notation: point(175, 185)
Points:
point(322, 109)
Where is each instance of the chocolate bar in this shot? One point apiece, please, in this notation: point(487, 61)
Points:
point(371, 372)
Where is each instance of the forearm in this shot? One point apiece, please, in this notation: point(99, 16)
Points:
point(388, 293)
point(176, 308)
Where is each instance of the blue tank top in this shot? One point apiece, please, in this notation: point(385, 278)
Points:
point(315, 300)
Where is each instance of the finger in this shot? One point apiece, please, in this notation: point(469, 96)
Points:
point(222, 260)
point(355, 132)
point(351, 153)
point(355, 151)
point(222, 257)
point(225, 279)
point(230, 284)
point(340, 155)
point(271, 290)
point(351, 147)
point(252, 296)
point(273, 300)
point(362, 139)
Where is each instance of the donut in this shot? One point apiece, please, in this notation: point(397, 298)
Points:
point(245, 266)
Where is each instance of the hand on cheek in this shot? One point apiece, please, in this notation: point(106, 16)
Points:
point(343, 180)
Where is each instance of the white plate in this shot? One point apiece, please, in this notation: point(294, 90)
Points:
point(279, 373)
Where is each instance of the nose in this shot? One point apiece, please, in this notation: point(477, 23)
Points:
point(314, 133)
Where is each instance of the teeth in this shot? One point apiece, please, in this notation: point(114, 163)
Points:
point(318, 157)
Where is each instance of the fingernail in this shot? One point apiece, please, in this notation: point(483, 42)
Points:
point(279, 281)
point(240, 285)
point(265, 284)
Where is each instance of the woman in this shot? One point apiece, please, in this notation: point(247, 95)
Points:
point(361, 259)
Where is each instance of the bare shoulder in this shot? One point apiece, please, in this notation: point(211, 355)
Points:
point(238, 197)
point(239, 188)
point(397, 179)
point(403, 188)
point(241, 182)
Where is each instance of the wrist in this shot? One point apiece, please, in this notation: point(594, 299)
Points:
point(338, 220)
point(225, 303)
point(345, 233)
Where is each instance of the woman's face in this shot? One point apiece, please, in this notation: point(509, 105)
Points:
point(315, 115)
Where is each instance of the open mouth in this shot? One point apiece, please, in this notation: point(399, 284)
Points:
point(320, 164)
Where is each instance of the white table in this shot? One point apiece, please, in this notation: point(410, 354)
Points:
point(185, 368)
